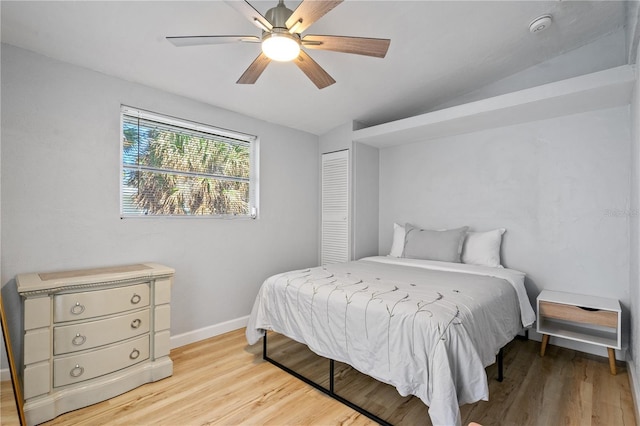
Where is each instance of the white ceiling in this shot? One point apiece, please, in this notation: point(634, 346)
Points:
point(439, 50)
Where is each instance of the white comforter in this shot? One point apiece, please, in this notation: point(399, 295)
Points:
point(428, 328)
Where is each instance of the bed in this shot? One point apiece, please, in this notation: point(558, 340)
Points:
point(428, 328)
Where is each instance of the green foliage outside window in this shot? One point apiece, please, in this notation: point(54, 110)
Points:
point(168, 170)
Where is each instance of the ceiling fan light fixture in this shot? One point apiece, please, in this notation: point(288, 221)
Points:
point(282, 39)
point(281, 46)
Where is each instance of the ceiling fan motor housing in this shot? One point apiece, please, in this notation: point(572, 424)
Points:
point(278, 15)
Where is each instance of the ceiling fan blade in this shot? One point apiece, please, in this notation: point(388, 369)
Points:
point(359, 45)
point(249, 12)
point(254, 71)
point(308, 12)
point(181, 41)
point(314, 71)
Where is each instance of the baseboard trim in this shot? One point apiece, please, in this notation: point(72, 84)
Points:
point(5, 375)
point(635, 384)
point(207, 332)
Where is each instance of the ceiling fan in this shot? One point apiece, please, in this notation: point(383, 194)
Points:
point(282, 40)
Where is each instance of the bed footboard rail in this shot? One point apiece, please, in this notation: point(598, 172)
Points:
point(331, 391)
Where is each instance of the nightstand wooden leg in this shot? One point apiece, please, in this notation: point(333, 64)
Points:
point(545, 340)
point(612, 360)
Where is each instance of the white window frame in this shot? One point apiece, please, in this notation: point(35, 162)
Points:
point(254, 152)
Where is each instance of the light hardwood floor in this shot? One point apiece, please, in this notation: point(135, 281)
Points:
point(223, 381)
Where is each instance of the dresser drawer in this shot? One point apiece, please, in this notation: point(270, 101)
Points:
point(577, 314)
point(89, 304)
point(77, 368)
point(91, 334)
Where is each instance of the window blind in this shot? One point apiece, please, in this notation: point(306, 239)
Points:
point(174, 167)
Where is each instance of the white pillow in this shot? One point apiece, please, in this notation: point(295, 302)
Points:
point(397, 247)
point(483, 248)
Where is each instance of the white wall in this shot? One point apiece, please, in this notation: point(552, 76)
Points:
point(60, 192)
point(366, 176)
point(336, 139)
point(3, 352)
point(559, 186)
point(632, 31)
point(634, 243)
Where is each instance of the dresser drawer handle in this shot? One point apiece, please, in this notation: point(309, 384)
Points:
point(134, 354)
point(135, 299)
point(77, 309)
point(76, 371)
point(136, 323)
point(79, 340)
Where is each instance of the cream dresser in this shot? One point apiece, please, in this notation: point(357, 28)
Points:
point(92, 334)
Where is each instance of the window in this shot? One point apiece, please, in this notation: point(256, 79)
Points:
point(173, 167)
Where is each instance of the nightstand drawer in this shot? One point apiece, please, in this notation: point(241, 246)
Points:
point(89, 304)
point(77, 368)
point(577, 314)
point(87, 335)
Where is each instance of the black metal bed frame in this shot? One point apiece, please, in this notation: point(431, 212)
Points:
point(331, 392)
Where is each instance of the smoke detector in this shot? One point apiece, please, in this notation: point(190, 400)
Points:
point(540, 24)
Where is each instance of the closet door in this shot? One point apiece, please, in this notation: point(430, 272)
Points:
point(335, 207)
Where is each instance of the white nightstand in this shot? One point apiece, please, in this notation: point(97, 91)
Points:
point(587, 319)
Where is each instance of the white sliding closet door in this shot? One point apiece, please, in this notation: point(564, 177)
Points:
point(335, 207)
